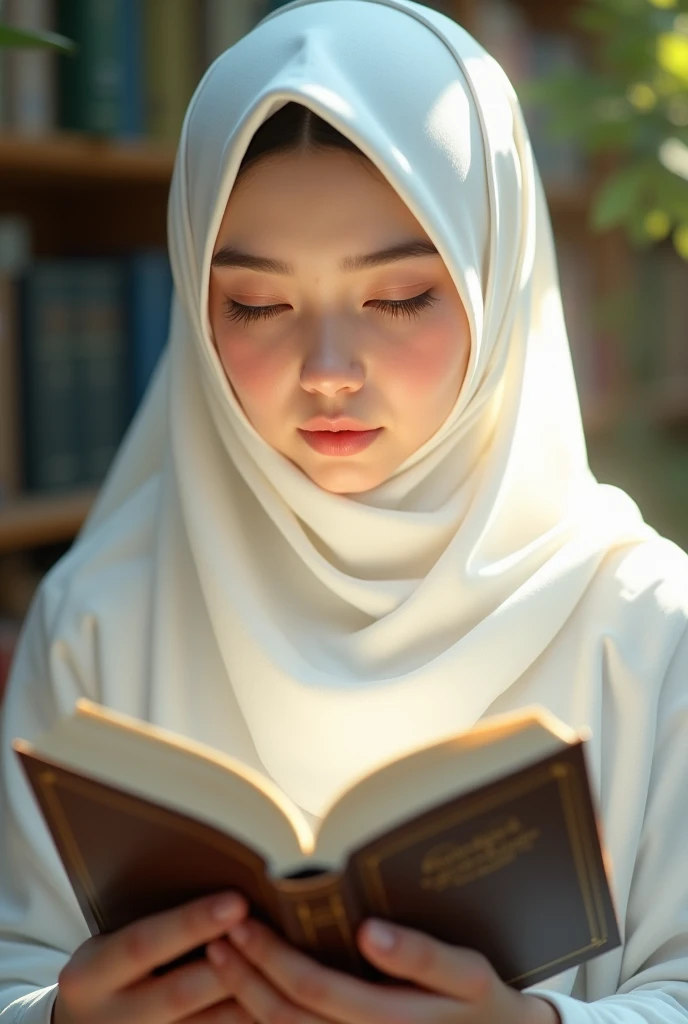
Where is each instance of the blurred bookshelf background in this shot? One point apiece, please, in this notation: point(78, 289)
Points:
point(86, 152)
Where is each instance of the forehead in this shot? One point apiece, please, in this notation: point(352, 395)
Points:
point(320, 177)
point(328, 204)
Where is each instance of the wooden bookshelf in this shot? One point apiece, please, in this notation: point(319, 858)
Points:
point(32, 521)
point(47, 161)
point(71, 159)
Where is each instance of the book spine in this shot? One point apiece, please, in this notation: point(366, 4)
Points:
point(224, 24)
point(9, 377)
point(30, 74)
point(101, 365)
point(48, 379)
point(172, 58)
point(320, 915)
point(149, 280)
point(132, 122)
point(92, 81)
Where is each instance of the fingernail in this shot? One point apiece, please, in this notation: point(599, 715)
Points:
point(226, 906)
point(218, 953)
point(238, 934)
point(380, 935)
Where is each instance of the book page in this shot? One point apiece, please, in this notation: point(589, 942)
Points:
point(182, 774)
point(434, 774)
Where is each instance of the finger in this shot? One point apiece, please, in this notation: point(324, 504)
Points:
point(177, 996)
point(449, 970)
point(254, 992)
point(109, 963)
point(327, 993)
point(224, 1013)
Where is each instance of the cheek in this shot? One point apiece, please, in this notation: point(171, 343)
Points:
point(255, 371)
point(433, 365)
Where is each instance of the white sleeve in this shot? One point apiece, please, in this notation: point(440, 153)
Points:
point(35, 1008)
point(40, 921)
point(654, 979)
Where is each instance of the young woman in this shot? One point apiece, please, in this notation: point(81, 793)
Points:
point(355, 514)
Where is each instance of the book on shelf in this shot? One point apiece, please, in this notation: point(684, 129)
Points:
point(137, 65)
point(487, 839)
point(48, 377)
point(101, 400)
point(149, 295)
point(10, 433)
point(15, 257)
point(224, 24)
point(91, 82)
point(131, 42)
point(92, 331)
point(9, 635)
point(172, 65)
point(29, 76)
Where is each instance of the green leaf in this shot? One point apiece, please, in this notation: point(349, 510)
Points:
point(673, 191)
point(619, 197)
point(18, 38)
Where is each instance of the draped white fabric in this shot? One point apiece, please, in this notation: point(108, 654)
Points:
point(371, 623)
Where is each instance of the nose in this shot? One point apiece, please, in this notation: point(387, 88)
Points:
point(331, 365)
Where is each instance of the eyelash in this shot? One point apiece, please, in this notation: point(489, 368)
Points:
point(405, 307)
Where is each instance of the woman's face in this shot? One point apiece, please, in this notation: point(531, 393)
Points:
point(308, 324)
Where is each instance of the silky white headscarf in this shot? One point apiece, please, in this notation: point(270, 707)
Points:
point(353, 628)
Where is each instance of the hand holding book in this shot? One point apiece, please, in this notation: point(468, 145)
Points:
point(113, 977)
point(274, 981)
point(485, 841)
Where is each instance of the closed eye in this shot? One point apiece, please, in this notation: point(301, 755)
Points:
point(410, 308)
point(405, 307)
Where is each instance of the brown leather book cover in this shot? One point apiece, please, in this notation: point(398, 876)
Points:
point(513, 869)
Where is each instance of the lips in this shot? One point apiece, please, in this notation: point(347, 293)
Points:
point(340, 442)
point(336, 423)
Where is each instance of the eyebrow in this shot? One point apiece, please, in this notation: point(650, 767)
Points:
point(228, 256)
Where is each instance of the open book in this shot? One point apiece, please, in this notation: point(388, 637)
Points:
point(487, 840)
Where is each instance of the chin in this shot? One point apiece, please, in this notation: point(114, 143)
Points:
point(343, 479)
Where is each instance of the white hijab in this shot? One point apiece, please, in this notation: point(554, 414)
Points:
point(353, 628)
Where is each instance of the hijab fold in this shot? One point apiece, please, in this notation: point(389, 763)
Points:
point(350, 629)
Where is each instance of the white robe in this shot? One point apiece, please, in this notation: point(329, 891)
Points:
point(626, 652)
